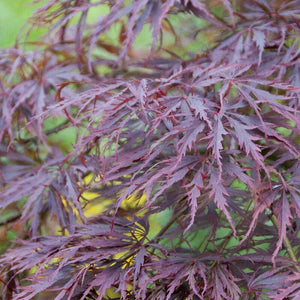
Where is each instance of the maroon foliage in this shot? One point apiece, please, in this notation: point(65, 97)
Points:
point(207, 132)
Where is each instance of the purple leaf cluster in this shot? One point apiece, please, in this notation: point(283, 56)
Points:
point(197, 130)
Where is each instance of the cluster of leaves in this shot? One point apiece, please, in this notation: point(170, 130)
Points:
point(191, 110)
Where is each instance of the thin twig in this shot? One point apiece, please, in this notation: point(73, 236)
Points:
point(48, 132)
point(286, 243)
point(10, 219)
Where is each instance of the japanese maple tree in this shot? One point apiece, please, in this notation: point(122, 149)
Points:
point(177, 123)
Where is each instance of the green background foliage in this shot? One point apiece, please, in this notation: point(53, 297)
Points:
point(13, 15)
